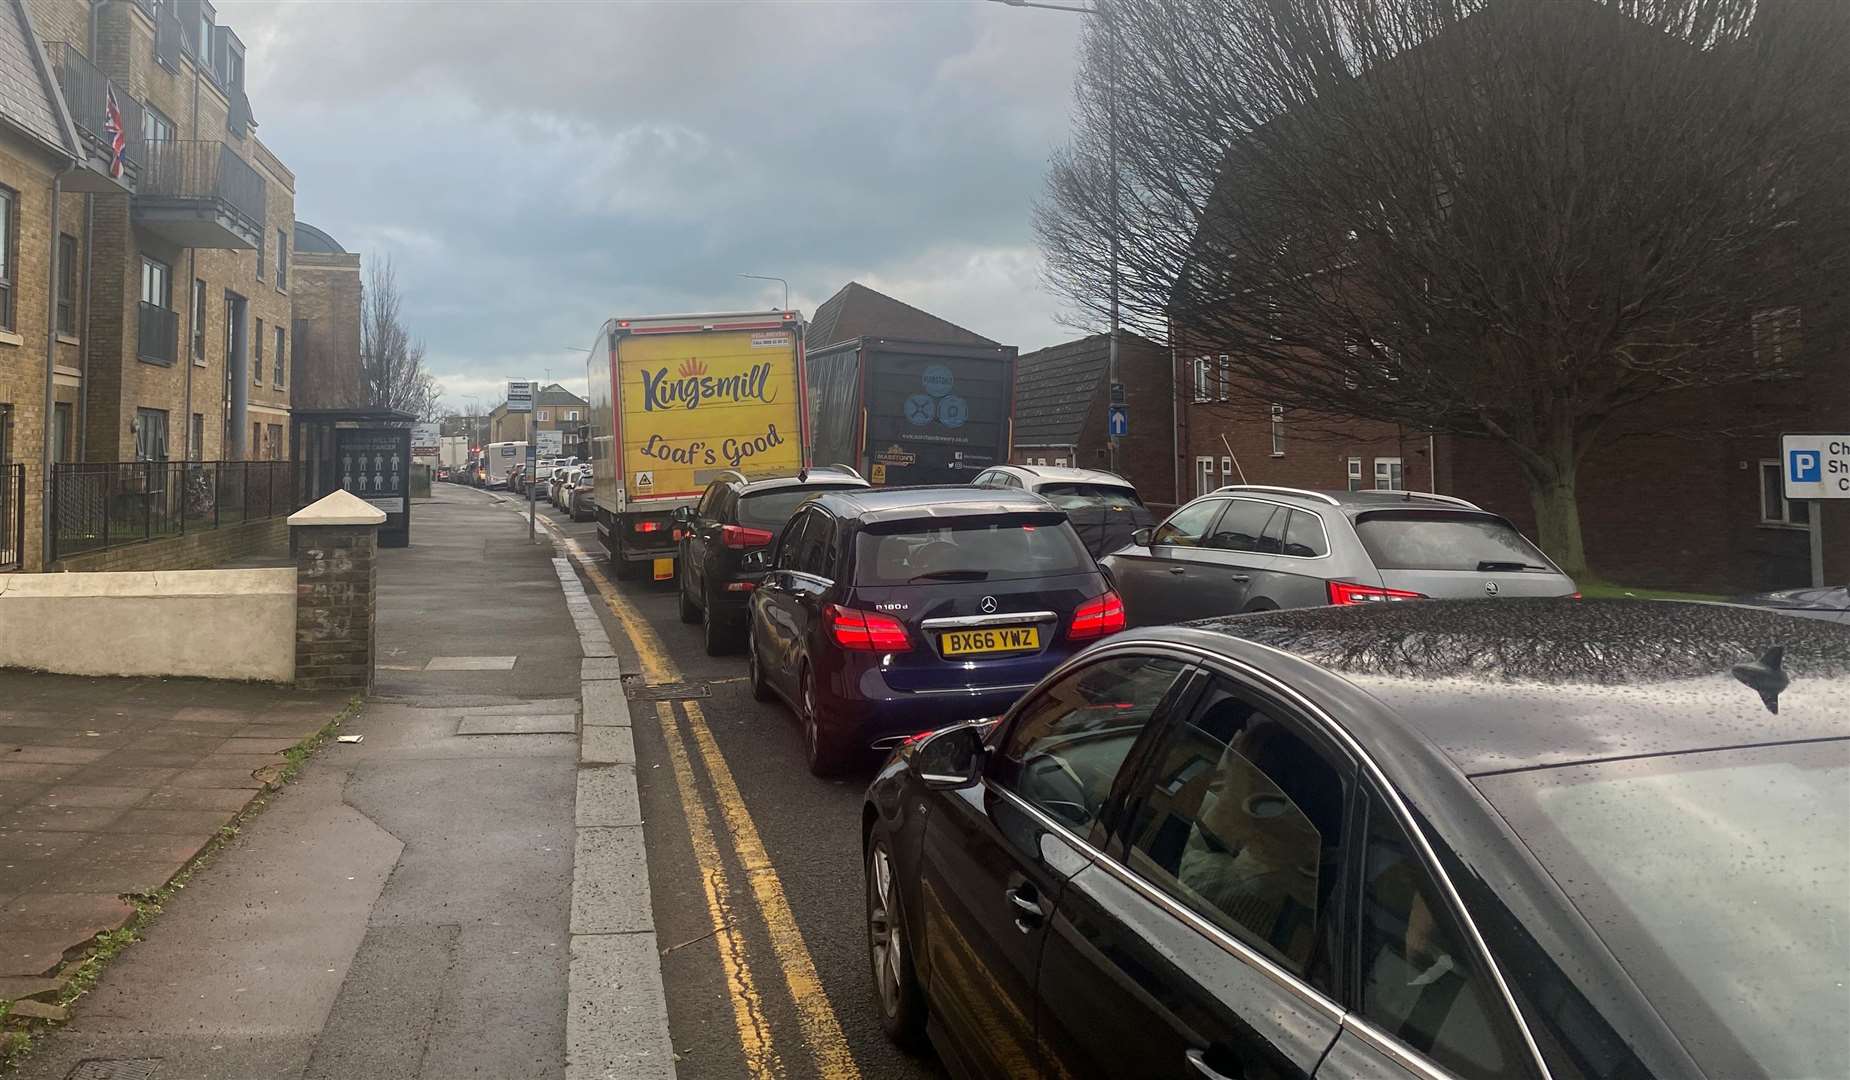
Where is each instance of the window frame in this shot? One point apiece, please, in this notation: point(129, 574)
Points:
point(257, 351)
point(1223, 380)
point(67, 285)
point(279, 374)
point(1278, 430)
point(1204, 477)
point(164, 275)
point(9, 258)
point(1777, 489)
point(1379, 462)
point(164, 130)
point(199, 322)
point(1355, 473)
point(1226, 471)
point(262, 247)
point(282, 260)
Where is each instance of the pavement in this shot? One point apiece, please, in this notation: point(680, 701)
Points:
point(406, 908)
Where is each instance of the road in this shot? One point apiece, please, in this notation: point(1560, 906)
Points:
point(755, 865)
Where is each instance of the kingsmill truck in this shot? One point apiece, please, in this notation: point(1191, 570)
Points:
point(678, 400)
point(911, 412)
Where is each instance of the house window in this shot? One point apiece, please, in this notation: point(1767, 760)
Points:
point(156, 283)
point(155, 127)
point(1204, 475)
point(150, 435)
point(199, 321)
point(1776, 338)
point(1355, 474)
point(571, 415)
point(1388, 475)
point(67, 284)
point(9, 254)
point(61, 431)
point(1202, 390)
point(256, 452)
point(260, 257)
point(276, 442)
point(1775, 508)
point(1223, 377)
point(198, 448)
point(545, 415)
point(257, 360)
point(1226, 471)
point(282, 260)
point(202, 40)
point(1278, 431)
point(277, 358)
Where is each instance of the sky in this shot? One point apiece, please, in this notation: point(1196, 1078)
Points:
point(532, 169)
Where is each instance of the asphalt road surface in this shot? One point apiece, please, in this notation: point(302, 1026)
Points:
point(755, 865)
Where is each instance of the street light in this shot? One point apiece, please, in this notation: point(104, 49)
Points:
point(1100, 9)
point(780, 281)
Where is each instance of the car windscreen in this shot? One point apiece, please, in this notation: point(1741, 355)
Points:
point(1721, 880)
point(772, 509)
point(1446, 540)
point(976, 549)
point(1087, 496)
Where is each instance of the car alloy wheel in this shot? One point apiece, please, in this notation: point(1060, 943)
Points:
point(902, 1001)
point(824, 759)
point(754, 669)
point(689, 613)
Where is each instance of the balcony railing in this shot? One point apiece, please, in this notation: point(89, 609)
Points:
point(86, 93)
point(158, 334)
point(204, 170)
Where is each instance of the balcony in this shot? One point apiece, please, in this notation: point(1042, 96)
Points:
point(86, 94)
point(157, 336)
point(199, 193)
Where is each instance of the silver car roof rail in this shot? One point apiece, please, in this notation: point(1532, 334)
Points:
point(1453, 499)
point(1281, 491)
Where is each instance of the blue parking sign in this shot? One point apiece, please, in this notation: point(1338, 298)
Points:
point(1804, 466)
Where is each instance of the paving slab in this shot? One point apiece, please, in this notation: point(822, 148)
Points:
point(470, 663)
point(607, 796)
point(606, 746)
point(610, 882)
point(85, 795)
point(516, 724)
point(605, 704)
point(618, 1019)
point(600, 667)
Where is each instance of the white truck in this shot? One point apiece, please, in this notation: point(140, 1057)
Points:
point(453, 452)
point(498, 458)
point(677, 400)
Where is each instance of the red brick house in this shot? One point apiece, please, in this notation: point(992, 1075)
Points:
point(1061, 398)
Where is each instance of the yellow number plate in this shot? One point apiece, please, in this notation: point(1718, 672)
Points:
point(664, 569)
point(996, 639)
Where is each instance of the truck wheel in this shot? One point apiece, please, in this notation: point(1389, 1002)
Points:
point(689, 613)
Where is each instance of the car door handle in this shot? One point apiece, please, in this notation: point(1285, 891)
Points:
point(1198, 1061)
point(1238, 577)
point(1029, 908)
point(1177, 570)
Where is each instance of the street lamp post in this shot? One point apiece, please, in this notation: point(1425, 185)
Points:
point(780, 281)
point(1101, 9)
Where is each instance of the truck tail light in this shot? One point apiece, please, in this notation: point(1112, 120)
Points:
point(1344, 593)
point(738, 537)
point(1097, 617)
point(865, 631)
point(648, 526)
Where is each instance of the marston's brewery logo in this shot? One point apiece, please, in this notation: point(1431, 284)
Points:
point(691, 386)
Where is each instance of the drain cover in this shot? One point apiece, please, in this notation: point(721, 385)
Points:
point(115, 1069)
point(668, 691)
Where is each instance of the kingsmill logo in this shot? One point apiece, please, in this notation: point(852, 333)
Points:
point(692, 386)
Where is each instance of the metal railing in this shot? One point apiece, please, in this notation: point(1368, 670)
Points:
point(86, 92)
point(12, 516)
point(100, 505)
point(157, 335)
point(203, 169)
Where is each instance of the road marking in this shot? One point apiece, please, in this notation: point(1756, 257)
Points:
point(747, 1008)
point(815, 1016)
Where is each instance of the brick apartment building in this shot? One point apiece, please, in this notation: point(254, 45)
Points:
point(1061, 398)
point(554, 409)
point(324, 295)
point(156, 291)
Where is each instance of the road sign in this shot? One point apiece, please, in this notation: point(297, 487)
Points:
point(1117, 393)
point(519, 396)
point(425, 440)
point(551, 443)
point(1815, 466)
point(1118, 420)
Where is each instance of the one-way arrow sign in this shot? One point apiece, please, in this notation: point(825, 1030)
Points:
point(1118, 420)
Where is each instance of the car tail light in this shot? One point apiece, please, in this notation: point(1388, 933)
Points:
point(739, 537)
point(1097, 617)
point(1348, 592)
point(865, 631)
point(648, 526)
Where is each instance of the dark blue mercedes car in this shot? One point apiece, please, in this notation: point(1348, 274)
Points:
point(893, 611)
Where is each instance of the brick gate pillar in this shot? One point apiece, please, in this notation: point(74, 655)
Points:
point(336, 541)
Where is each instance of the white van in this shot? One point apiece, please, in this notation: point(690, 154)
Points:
point(497, 458)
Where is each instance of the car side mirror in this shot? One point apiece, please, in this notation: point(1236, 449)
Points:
point(1142, 537)
point(682, 514)
point(950, 758)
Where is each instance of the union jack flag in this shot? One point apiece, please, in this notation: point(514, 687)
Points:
point(118, 139)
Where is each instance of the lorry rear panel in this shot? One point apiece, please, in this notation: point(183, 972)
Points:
point(909, 412)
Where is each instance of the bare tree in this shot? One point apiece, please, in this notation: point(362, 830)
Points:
point(1493, 218)
point(391, 361)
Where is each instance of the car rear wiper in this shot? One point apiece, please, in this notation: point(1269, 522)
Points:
point(1489, 565)
point(949, 575)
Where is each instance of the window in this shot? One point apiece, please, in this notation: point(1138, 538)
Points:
point(1776, 338)
point(260, 258)
point(198, 449)
point(9, 255)
point(1388, 475)
point(1304, 538)
point(571, 415)
point(1007, 549)
point(255, 451)
point(1240, 818)
point(277, 359)
point(1226, 471)
point(150, 435)
point(6, 434)
point(199, 321)
point(1223, 377)
point(1445, 540)
point(155, 127)
point(282, 260)
point(202, 33)
point(67, 284)
point(545, 415)
point(275, 433)
point(1355, 474)
point(1188, 526)
point(1278, 431)
point(1202, 390)
point(1418, 984)
point(1204, 475)
point(814, 553)
point(1775, 508)
point(156, 283)
point(61, 431)
point(1065, 747)
point(257, 360)
point(1242, 527)
point(791, 541)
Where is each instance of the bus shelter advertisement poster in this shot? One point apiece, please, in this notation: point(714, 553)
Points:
point(695, 406)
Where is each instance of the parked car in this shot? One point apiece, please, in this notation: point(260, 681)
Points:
point(583, 505)
point(1251, 548)
point(1518, 840)
point(888, 611)
point(1831, 602)
point(556, 484)
point(517, 478)
point(726, 543)
point(1104, 508)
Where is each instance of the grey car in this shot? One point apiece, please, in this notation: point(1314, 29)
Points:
point(1253, 548)
point(1104, 507)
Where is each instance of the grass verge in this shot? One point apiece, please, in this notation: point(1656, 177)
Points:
point(17, 1034)
point(1606, 590)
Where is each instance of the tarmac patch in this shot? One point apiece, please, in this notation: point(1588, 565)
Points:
point(470, 663)
point(634, 689)
point(517, 724)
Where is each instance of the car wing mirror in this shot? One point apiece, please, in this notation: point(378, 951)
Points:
point(1142, 537)
point(951, 757)
point(682, 514)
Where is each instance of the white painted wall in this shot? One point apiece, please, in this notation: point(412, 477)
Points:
point(213, 624)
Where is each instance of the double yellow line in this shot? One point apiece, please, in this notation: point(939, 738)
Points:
point(821, 1031)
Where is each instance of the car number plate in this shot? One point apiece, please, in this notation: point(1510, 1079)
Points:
point(664, 569)
point(993, 640)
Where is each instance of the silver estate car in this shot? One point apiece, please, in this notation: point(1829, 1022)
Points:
point(1254, 548)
